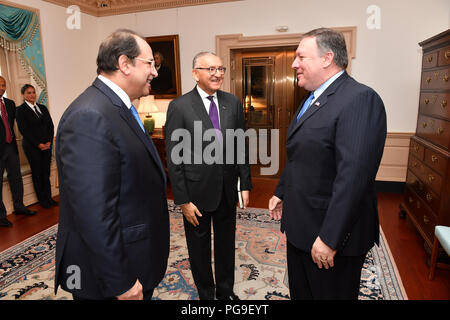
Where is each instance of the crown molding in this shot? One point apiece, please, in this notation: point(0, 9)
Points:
point(103, 8)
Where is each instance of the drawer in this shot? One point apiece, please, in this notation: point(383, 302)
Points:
point(437, 79)
point(425, 193)
point(434, 130)
point(436, 161)
point(444, 56)
point(430, 60)
point(417, 149)
point(426, 175)
point(425, 220)
point(435, 104)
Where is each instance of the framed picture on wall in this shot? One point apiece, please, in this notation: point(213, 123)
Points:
point(167, 60)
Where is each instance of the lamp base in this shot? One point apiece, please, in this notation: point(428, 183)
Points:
point(149, 124)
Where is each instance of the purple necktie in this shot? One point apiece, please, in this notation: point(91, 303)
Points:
point(214, 116)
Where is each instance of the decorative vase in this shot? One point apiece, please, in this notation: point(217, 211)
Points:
point(149, 124)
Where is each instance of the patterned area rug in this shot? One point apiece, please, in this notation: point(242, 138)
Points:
point(27, 269)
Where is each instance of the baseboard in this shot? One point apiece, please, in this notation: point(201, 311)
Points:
point(390, 186)
point(29, 196)
point(394, 162)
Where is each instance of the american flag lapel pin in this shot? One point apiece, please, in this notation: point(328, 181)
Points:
point(317, 104)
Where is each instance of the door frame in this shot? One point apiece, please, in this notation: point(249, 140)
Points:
point(226, 43)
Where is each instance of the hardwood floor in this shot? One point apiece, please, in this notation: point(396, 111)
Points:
point(405, 243)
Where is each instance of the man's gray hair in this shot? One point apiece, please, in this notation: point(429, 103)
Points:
point(330, 40)
point(201, 54)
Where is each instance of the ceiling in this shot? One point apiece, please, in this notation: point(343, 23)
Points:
point(102, 8)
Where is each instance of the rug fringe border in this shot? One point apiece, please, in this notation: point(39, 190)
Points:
point(27, 239)
point(394, 266)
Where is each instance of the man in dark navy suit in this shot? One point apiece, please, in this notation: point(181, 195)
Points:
point(113, 234)
point(9, 158)
point(325, 197)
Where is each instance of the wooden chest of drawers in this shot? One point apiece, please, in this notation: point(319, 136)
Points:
point(427, 195)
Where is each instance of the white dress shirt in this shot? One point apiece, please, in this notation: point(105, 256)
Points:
point(117, 90)
point(207, 102)
point(32, 108)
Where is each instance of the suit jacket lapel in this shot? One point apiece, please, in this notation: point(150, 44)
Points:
point(199, 109)
point(131, 121)
point(316, 105)
point(224, 111)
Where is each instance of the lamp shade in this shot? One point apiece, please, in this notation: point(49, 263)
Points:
point(147, 105)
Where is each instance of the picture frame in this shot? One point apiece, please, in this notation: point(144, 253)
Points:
point(166, 52)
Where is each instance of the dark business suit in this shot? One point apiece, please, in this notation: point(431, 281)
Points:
point(327, 186)
point(36, 130)
point(113, 220)
point(210, 187)
point(9, 159)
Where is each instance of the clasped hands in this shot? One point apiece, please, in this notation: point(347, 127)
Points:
point(191, 212)
point(321, 254)
point(44, 146)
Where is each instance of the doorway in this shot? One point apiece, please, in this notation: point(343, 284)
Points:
point(267, 87)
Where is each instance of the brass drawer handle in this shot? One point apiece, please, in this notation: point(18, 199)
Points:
point(428, 79)
point(426, 100)
point(429, 197)
point(424, 125)
point(447, 54)
point(434, 158)
point(416, 148)
point(443, 103)
point(414, 164)
point(445, 78)
point(411, 200)
point(426, 220)
point(430, 178)
point(440, 130)
point(430, 58)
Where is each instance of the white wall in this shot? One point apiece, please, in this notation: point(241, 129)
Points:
point(389, 59)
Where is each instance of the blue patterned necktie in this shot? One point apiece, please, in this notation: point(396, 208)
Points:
point(306, 105)
point(136, 116)
point(214, 116)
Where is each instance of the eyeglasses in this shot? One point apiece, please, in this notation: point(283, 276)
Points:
point(151, 62)
point(212, 70)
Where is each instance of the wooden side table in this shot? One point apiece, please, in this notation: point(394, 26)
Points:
point(158, 139)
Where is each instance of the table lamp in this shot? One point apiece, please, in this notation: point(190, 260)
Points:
point(147, 105)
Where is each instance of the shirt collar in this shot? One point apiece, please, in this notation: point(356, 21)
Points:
point(204, 95)
point(117, 90)
point(30, 105)
point(326, 84)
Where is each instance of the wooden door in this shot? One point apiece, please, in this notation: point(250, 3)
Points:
point(267, 86)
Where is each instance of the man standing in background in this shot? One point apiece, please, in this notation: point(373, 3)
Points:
point(9, 158)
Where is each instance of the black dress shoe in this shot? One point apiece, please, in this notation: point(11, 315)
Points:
point(52, 202)
point(5, 223)
point(229, 297)
point(25, 212)
point(45, 205)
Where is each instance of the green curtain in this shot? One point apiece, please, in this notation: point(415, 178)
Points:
point(20, 32)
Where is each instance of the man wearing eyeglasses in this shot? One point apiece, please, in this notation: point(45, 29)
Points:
point(208, 192)
point(326, 197)
point(113, 233)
